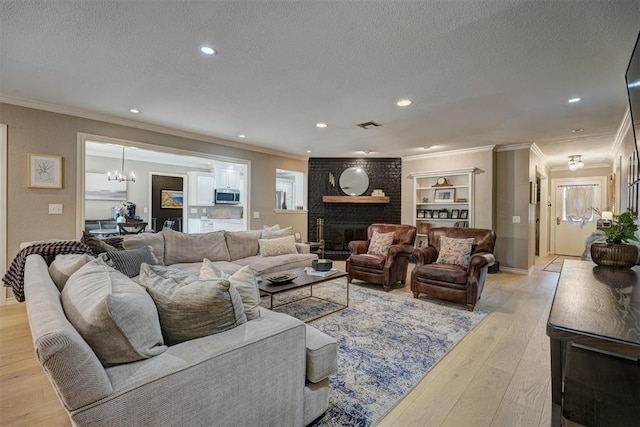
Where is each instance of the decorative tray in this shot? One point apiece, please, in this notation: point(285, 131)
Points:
point(281, 279)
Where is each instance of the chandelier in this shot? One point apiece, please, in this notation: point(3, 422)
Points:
point(575, 162)
point(121, 177)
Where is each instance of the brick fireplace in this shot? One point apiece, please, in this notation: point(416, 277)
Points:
point(344, 222)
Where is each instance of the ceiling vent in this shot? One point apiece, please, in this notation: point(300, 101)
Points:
point(367, 125)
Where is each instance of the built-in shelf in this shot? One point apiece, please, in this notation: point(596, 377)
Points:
point(355, 199)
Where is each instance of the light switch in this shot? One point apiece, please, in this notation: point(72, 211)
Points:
point(204, 210)
point(194, 210)
point(256, 215)
point(55, 209)
point(516, 220)
point(145, 210)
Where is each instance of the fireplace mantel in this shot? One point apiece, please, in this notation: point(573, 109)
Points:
point(355, 199)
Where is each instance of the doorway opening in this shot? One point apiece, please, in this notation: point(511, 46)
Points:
point(167, 195)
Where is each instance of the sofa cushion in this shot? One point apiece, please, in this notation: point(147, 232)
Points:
point(183, 247)
point(245, 282)
point(155, 240)
point(128, 261)
point(450, 273)
point(190, 307)
point(455, 251)
point(115, 315)
point(277, 246)
point(368, 261)
point(242, 244)
point(322, 355)
point(65, 265)
point(380, 243)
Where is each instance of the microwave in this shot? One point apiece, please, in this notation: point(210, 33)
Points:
point(227, 196)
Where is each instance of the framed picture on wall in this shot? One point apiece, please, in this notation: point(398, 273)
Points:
point(171, 199)
point(45, 171)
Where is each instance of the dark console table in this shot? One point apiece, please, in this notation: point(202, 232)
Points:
point(595, 311)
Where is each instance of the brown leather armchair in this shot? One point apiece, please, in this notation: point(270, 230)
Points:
point(387, 269)
point(448, 281)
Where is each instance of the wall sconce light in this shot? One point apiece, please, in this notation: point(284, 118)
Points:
point(575, 162)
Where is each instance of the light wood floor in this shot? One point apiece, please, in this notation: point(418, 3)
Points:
point(498, 375)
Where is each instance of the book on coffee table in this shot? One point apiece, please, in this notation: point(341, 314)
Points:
point(311, 272)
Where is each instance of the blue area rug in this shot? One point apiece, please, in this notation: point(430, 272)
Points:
point(387, 342)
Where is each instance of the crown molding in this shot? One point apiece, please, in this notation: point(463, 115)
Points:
point(514, 147)
point(450, 153)
point(624, 127)
point(536, 150)
point(91, 115)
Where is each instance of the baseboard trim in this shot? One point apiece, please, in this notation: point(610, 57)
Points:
point(11, 300)
point(516, 270)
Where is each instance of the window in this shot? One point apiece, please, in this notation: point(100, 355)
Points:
point(577, 203)
point(290, 190)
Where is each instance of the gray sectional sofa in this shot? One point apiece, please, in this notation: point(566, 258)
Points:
point(269, 371)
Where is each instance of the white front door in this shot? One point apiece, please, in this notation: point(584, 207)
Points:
point(574, 218)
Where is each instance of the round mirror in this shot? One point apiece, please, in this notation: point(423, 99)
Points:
point(354, 181)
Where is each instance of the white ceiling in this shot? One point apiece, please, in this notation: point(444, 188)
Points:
point(480, 72)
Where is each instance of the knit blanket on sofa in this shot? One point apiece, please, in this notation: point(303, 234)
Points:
point(14, 278)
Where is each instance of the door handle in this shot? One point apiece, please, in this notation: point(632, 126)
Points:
point(558, 220)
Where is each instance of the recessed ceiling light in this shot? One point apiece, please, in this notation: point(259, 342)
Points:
point(208, 50)
point(426, 147)
point(576, 130)
point(404, 103)
point(242, 135)
point(134, 110)
point(309, 151)
point(321, 125)
point(367, 152)
point(573, 100)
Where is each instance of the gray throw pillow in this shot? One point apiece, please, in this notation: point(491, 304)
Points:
point(278, 246)
point(190, 307)
point(242, 244)
point(113, 314)
point(274, 234)
point(155, 240)
point(243, 280)
point(65, 265)
point(128, 261)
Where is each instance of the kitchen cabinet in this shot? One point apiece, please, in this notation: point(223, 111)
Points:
point(201, 188)
point(197, 225)
point(227, 178)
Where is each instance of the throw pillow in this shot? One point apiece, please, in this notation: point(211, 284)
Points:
point(97, 244)
point(113, 314)
point(155, 240)
point(380, 243)
point(183, 247)
point(277, 246)
point(191, 307)
point(245, 282)
point(65, 265)
point(128, 261)
point(455, 251)
point(274, 234)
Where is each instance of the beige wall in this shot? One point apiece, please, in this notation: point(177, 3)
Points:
point(483, 160)
point(36, 131)
point(512, 199)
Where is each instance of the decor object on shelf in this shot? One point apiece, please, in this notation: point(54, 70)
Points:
point(444, 195)
point(575, 162)
point(442, 182)
point(322, 264)
point(121, 177)
point(121, 212)
point(464, 214)
point(45, 171)
point(377, 192)
point(354, 181)
point(616, 252)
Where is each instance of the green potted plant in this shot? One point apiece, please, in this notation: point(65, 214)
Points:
point(616, 251)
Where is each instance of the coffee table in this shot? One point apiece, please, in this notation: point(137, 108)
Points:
point(302, 280)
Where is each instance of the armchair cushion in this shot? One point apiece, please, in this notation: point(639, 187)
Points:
point(368, 261)
point(455, 251)
point(380, 243)
point(442, 272)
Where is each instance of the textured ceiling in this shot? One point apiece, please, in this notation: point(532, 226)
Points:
point(479, 72)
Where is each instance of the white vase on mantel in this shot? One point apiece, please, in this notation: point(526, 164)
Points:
point(121, 219)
